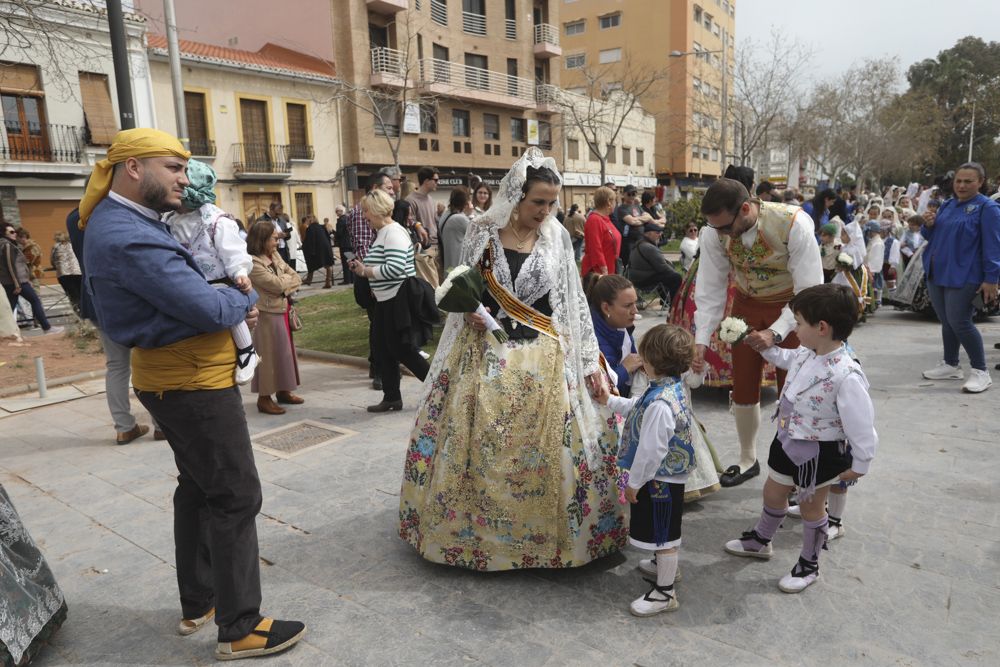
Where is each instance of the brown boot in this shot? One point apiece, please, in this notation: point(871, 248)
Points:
point(266, 405)
point(125, 437)
point(289, 398)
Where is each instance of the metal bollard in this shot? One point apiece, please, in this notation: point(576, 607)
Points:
point(43, 391)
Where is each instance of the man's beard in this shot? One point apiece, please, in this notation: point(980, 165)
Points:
point(154, 195)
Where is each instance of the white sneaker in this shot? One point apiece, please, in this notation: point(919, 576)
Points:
point(648, 566)
point(944, 371)
point(245, 373)
point(654, 602)
point(736, 548)
point(795, 511)
point(833, 532)
point(59, 330)
point(978, 381)
point(796, 583)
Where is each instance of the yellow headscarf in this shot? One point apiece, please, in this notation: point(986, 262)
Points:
point(141, 142)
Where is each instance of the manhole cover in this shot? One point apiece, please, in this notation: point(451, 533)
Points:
point(294, 439)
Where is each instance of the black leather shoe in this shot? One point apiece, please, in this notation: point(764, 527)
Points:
point(386, 406)
point(733, 476)
point(377, 384)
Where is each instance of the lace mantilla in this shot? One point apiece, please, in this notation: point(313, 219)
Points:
point(551, 269)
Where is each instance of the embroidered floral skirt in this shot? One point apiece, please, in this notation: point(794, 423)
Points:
point(495, 476)
point(718, 355)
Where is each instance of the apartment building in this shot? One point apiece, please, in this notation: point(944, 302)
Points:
point(263, 119)
point(629, 160)
point(459, 85)
point(602, 37)
point(59, 112)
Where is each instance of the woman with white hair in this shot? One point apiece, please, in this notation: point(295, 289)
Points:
point(387, 266)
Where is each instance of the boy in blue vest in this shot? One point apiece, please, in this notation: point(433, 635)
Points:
point(656, 451)
point(824, 404)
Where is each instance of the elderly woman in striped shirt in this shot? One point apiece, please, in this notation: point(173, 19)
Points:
point(388, 264)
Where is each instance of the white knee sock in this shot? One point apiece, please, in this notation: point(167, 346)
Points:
point(666, 568)
point(241, 335)
point(835, 504)
point(747, 425)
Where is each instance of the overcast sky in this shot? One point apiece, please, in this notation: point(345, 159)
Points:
point(851, 30)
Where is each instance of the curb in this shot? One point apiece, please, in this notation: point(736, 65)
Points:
point(54, 382)
point(332, 357)
point(344, 359)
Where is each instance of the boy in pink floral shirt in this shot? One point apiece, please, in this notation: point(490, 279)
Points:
point(824, 405)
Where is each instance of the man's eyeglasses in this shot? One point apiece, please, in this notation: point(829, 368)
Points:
point(726, 228)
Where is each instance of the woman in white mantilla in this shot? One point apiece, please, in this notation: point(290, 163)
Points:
point(510, 465)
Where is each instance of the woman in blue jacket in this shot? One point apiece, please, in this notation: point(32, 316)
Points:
point(612, 300)
point(962, 264)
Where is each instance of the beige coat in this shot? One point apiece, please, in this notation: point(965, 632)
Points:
point(273, 283)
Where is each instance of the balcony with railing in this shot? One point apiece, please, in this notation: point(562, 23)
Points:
point(442, 77)
point(388, 68)
point(547, 98)
point(300, 152)
point(439, 12)
point(474, 24)
point(202, 147)
point(35, 142)
point(261, 161)
point(547, 41)
point(389, 7)
point(510, 28)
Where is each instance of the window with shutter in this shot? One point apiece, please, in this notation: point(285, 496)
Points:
point(98, 111)
point(20, 79)
point(298, 132)
point(303, 205)
point(197, 122)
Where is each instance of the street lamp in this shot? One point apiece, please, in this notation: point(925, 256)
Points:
point(725, 97)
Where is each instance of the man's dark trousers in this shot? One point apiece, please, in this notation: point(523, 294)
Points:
point(216, 503)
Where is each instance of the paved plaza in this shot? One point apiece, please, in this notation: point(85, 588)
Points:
point(915, 580)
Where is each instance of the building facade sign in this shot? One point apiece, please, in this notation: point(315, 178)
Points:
point(411, 118)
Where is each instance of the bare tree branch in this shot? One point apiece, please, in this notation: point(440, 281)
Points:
point(598, 110)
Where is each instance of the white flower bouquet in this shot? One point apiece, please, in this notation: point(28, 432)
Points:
point(845, 261)
point(733, 330)
point(460, 292)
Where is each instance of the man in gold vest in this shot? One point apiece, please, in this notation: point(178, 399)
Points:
point(772, 254)
point(151, 296)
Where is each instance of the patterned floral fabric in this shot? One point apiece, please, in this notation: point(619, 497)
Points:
point(495, 476)
point(718, 356)
point(29, 597)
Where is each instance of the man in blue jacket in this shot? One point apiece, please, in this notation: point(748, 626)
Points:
point(149, 295)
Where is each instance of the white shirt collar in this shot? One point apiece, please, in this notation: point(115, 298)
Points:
point(148, 212)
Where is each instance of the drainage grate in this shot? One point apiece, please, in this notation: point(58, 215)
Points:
point(294, 439)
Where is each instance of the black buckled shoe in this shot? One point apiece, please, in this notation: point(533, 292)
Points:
point(733, 476)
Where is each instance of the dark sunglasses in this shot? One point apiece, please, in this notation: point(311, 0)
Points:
point(725, 228)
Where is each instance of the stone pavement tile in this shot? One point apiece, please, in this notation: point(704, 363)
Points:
point(317, 560)
point(675, 647)
point(111, 634)
point(578, 654)
point(355, 634)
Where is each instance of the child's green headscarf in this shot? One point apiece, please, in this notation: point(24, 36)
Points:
point(201, 190)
